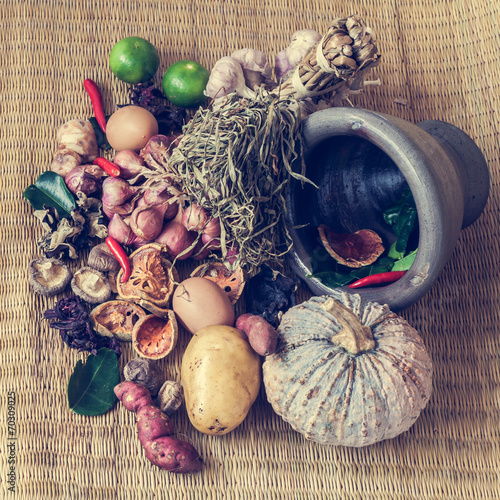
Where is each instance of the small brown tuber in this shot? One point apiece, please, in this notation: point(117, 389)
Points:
point(155, 431)
point(261, 335)
point(76, 145)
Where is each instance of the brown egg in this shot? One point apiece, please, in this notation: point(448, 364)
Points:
point(130, 127)
point(200, 302)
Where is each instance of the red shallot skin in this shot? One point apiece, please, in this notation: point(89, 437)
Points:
point(232, 254)
point(212, 228)
point(212, 243)
point(195, 217)
point(120, 230)
point(80, 179)
point(200, 251)
point(130, 163)
point(147, 221)
point(116, 191)
point(171, 211)
point(159, 147)
point(177, 239)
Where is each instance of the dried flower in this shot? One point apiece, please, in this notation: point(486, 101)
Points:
point(70, 316)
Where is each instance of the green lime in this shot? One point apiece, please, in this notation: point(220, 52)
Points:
point(134, 60)
point(184, 83)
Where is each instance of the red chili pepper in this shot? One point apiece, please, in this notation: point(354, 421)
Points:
point(377, 279)
point(108, 166)
point(121, 257)
point(96, 100)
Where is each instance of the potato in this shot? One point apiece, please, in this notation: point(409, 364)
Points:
point(221, 376)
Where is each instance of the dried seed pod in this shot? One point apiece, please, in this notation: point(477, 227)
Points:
point(361, 248)
point(48, 276)
point(91, 285)
point(154, 337)
point(231, 281)
point(170, 397)
point(116, 318)
point(146, 372)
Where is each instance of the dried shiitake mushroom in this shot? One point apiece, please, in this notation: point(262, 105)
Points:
point(154, 337)
point(90, 285)
point(232, 282)
point(116, 318)
point(101, 258)
point(358, 249)
point(152, 279)
point(48, 276)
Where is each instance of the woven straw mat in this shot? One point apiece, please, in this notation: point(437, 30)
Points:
point(440, 60)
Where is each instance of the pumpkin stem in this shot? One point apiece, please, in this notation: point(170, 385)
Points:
point(354, 337)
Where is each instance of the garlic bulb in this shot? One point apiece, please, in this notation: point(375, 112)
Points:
point(256, 69)
point(302, 42)
point(227, 77)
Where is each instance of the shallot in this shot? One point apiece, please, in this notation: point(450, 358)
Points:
point(195, 217)
point(79, 179)
point(177, 239)
point(147, 221)
point(130, 163)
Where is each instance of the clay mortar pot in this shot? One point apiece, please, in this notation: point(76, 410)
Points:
point(361, 162)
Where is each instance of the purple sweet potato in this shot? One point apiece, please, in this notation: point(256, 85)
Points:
point(152, 423)
point(173, 455)
point(261, 335)
point(155, 431)
point(133, 395)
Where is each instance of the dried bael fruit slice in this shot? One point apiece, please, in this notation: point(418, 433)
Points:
point(116, 318)
point(154, 337)
point(358, 249)
point(152, 280)
point(232, 282)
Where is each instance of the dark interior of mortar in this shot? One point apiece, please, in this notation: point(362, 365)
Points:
point(356, 182)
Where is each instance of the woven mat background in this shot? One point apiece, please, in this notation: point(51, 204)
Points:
point(441, 58)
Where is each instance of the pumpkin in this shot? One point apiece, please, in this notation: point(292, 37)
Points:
point(347, 371)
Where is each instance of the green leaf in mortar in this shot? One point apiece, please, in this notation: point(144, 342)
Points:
point(50, 190)
point(405, 263)
point(90, 387)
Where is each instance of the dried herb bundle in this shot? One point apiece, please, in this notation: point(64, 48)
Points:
point(344, 53)
point(236, 162)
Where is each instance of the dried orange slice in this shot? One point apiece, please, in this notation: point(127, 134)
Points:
point(232, 282)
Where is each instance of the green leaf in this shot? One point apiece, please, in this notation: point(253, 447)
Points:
point(101, 139)
point(90, 387)
point(405, 263)
point(50, 190)
point(402, 216)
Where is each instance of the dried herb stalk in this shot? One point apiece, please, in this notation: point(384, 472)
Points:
point(341, 57)
point(236, 162)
